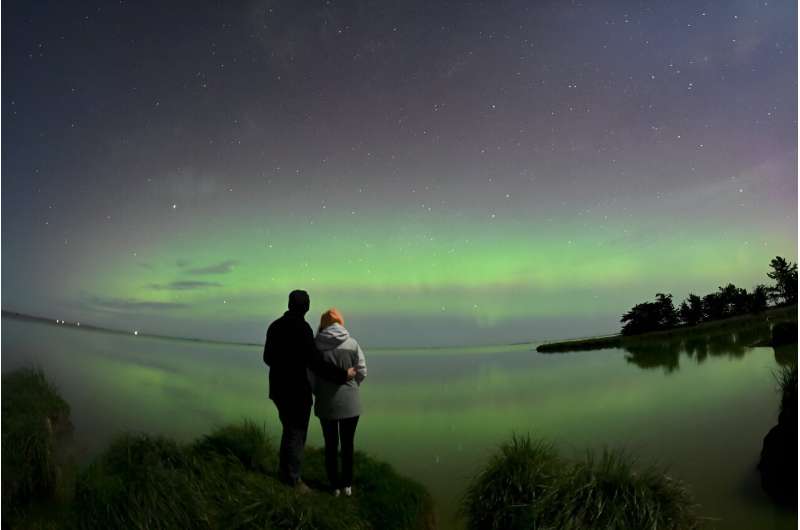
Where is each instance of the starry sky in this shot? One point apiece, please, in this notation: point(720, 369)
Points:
point(445, 173)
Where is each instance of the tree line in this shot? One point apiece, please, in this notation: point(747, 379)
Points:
point(727, 301)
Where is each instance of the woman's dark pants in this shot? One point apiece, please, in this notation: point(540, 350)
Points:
point(334, 431)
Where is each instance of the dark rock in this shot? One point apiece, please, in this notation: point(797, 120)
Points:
point(778, 465)
point(786, 355)
point(784, 333)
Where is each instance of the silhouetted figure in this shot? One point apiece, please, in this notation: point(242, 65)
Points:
point(289, 351)
point(338, 406)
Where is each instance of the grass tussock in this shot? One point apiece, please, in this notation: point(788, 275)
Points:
point(34, 419)
point(526, 484)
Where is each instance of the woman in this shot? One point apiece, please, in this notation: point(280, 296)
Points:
point(338, 406)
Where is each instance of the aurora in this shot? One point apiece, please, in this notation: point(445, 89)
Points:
point(445, 178)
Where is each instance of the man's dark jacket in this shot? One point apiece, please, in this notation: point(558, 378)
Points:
point(288, 351)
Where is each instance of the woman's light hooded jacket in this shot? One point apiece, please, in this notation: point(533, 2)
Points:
point(333, 401)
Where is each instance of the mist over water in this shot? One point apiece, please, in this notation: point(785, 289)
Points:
point(436, 414)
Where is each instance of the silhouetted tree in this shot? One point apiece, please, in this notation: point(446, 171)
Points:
point(691, 310)
point(713, 307)
point(641, 318)
point(785, 275)
point(725, 302)
point(727, 299)
point(668, 317)
point(758, 298)
point(739, 300)
point(650, 316)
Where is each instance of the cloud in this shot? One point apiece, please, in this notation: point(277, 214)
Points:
point(220, 268)
point(182, 285)
point(100, 303)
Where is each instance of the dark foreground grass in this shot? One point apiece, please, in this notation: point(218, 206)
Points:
point(227, 480)
point(527, 485)
point(35, 419)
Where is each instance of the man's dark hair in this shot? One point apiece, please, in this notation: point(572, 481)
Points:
point(299, 301)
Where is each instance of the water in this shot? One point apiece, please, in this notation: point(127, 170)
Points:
point(437, 414)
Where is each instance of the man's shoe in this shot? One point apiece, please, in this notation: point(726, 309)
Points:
point(301, 487)
point(348, 491)
point(337, 492)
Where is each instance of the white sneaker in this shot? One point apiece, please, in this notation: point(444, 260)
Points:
point(337, 492)
point(348, 491)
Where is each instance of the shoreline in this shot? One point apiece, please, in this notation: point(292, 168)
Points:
point(781, 313)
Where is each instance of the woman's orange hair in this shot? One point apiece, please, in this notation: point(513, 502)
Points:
point(330, 317)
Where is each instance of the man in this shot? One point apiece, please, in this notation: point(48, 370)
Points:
point(289, 351)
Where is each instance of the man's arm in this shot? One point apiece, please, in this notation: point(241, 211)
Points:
point(316, 364)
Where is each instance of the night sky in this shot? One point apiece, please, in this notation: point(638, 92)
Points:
point(444, 173)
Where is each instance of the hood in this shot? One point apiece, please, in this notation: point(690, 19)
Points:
point(331, 337)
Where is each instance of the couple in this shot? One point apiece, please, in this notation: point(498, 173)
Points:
point(331, 365)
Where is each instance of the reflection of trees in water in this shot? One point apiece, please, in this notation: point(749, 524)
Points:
point(696, 347)
point(666, 354)
point(663, 354)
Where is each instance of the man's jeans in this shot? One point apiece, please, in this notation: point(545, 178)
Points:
point(294, 420)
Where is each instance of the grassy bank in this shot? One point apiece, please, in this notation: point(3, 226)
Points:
point(527, 485)
point(726, 325)
point(37, 470)
point(225, 479)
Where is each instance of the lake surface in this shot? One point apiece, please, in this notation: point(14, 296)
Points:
point(701, 408)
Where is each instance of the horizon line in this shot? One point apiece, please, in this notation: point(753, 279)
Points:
point(136, 333)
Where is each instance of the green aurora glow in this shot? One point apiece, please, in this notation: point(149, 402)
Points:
point(484, 273)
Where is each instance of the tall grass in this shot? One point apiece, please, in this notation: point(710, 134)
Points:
point(141, 482)
point(34, 418)
point(786, 377)
point(526, 484)
point(227, 479)
point(246, 442)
